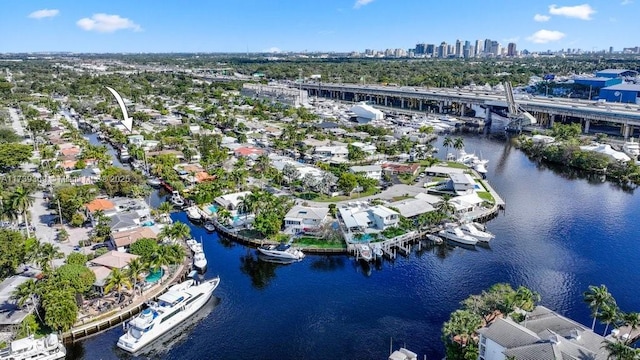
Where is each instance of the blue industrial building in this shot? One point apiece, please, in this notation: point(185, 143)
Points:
point(626, 93)
point(597, 82)
point(616, 73)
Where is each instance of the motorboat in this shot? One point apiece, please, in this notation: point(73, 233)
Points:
point(200, 261)
point(456, 234)
point(377, 250)
point(283, 251)
point(171, 309)
point(434, 238)
point(191, 243)
point(472, 230)
point(365, 252)
point(209, 226)
point(480, 166)
point(46, 348)
point(163, 344)
point(176, 199)
point(632, 149)
point(193, 214)
point(154, 182)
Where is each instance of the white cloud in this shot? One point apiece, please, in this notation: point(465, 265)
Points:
point(545, 36)
point(626, 2)
point(582, 12)
point(106, 23)
point(541, 18)
point(361, 3)
point(44, 13)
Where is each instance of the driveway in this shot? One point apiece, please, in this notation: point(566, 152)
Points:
point(389, 194)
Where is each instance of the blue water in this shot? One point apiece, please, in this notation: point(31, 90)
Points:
point(213, 209)
point(154, 276)
point(148, 223)
point(559, 234)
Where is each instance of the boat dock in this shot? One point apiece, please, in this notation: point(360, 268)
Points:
point(107, 321)
point(390, 248)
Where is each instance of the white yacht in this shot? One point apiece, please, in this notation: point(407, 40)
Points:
point(472, 230)
point(172, 308)
point(193, 214)
point(480, 166)
point(154, 182)
point(176, 199)
point(455, 234)
point(283, 251)
point(200, 261)
point(434, 238)
point(46, 348)
point(365, 252)
point(194, 245)
point(632, 149)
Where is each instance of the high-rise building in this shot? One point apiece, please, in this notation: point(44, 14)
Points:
point(458, 49)
point(443, 50)
point(610, 49)
point(511, 49)
point(479, 48)
point(494, 48)
point(487, 46)
point(421, 49)
point(431, 50)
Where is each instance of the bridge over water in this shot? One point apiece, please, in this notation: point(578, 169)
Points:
point(457, 101)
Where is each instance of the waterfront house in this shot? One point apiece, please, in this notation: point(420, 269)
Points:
point(442, 171)
point(414, 207)
point(122, 240)
point(12, 313)
point(543, 334)
point(124, 221)
point(305, 219)
point(370, 171)
point(107, 207)
point(362, 218)
point(399, 169)
point(462, 183)
point(231, 201)
point(103, 264)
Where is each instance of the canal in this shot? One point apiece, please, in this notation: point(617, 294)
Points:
point(560, 233)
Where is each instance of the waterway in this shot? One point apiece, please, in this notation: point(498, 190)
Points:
point(560, 233)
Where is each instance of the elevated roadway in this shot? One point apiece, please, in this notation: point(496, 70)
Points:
point(626, 115)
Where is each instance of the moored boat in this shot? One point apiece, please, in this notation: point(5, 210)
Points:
point(193, 214)
point(365, 252)
point(171, 309)
point(455, 234)
point(46, 348)
point(209, 226)
point(154, 182)
point(283, 251)
point(200, 261)
point(434, 238)
point(472, 230)
point(176, 199)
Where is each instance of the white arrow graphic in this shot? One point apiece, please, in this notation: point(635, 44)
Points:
point(128, 121)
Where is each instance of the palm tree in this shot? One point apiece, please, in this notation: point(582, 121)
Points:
point(608, 314)
point(21, 201)
point(135, 270)
point(223, 216)
point(25, 293)
point(632, 320)
point(445, 207)
point(165, 207)
point(163, 256)
point(117, 281)
point(596, 297)
point(619, 351)
point(458, 144)
point(447, 143)
point(525, 299)
point(180, 230)
point(46, 254)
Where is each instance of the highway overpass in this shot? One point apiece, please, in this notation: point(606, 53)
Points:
point(441, 100)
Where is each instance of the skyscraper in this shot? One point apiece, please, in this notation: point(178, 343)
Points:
point(443, 50)
point(479, 48)
point(458, 50)
point(487, 46)
point(511, 50)
point(431, 50)
point(421, 49)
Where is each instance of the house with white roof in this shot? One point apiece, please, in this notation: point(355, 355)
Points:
point(231, 201)
point(370, 149)
point(360, 217)
point(331, 151)
point(305, 219)
point(543, 334)
point(370, 171)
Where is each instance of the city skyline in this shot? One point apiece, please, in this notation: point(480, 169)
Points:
point(328, 26)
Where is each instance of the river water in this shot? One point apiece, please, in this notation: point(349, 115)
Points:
point(559, 234)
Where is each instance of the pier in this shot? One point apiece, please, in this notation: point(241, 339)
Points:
point(107, 321)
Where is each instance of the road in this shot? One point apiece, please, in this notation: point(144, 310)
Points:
point(41, 216)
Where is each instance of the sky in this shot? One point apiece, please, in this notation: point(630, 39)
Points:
point(136, 26)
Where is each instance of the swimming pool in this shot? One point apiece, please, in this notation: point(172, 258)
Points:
point(213, 209)
point(154, 276)
point(148, 223)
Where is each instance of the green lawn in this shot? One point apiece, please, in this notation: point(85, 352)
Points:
point(312, 242)
point(313, 196)
point(456, 165)
point(485, 195)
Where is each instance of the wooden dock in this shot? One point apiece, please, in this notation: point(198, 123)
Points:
point(107, 321)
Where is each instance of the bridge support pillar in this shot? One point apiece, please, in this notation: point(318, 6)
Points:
point(440, 107)
point(552, 119)
point(487, 115)
point(402, 103)
point(343, 96)
point(626, 129)
point(386, 100)
point(587, 122)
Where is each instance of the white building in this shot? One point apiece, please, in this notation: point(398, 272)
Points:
point(231, 201)
point(367, 112)
point(360, 217)
point(370, 149)
point(305, 219)
point(462, 183)
point(332, 151)
point(370, 171)
point(543, 334)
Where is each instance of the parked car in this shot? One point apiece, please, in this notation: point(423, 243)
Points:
point(98, 246)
